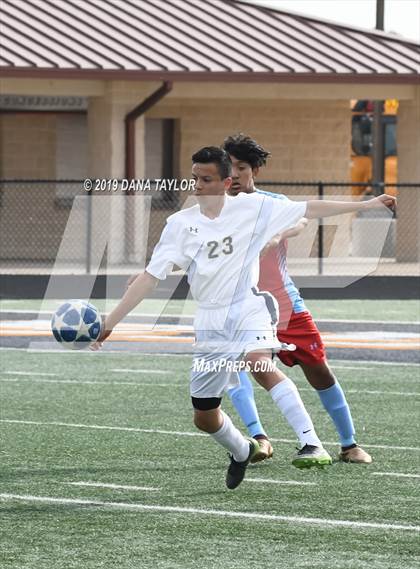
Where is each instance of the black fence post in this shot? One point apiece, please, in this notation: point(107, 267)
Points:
point(320, 233)
point(89, 233)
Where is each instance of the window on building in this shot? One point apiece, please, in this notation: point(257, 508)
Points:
point(390, 136)
point(160, 156)
point(361, 135)
point(71, 158)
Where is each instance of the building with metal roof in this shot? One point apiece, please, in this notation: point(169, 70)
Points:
point(193, 40)
point(108, 88)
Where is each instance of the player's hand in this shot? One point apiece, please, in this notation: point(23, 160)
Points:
point(105, 333)
point(130, 281)
point(383, 200)
point(274, 242)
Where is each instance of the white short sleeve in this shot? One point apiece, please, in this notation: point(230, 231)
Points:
point(285, 214)
point(167, 253)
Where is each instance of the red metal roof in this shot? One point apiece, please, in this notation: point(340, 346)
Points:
point(193, 40)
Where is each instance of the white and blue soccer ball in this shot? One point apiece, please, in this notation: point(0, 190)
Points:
point(76, 324)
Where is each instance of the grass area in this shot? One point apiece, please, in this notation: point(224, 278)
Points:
point(148, 306)
point(390, 310)
point(387, 310)
point(188, 472)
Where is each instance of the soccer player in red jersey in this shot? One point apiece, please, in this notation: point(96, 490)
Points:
point(296, 325)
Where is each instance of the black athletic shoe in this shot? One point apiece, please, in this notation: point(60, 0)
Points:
point(236, 470)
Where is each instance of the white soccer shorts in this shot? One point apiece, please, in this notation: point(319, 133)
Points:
point(224, 335)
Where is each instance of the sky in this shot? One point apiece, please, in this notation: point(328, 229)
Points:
point(401, 16)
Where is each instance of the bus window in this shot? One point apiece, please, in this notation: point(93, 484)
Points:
point(361, 135)
point(390, 139)
point(361, 144)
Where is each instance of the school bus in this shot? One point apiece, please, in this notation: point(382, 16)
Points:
point(361, 144)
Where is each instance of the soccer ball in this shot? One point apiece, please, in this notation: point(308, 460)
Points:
point(76, 324)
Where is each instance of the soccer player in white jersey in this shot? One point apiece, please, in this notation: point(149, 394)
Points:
point(296, 324)
point(234, 322)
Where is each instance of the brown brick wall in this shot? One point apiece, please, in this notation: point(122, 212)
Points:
point(309, 140)
point(408, 227)
point(31, 221)
point(28, 146)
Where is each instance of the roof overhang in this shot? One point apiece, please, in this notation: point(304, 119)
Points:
point(209, 77)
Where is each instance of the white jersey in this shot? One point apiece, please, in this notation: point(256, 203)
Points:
point(221, 255)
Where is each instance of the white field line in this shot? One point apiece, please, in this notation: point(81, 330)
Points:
point(28, 373)
point(385, 447)
point(176, 384)
point(92, 354)
point(27, 311)
point(372, 392)
point(396, 474)
point(351, 321)
point(375, 362)
point(352, 367)
point(107, 428)
point(184, 315)
point(134, 314)
point(124, 353)
point(354, 363)
point(113, 486)
point(287, 482)
point(99, 353)
point(88, 382)
point(150, 354)
point(139, 370)
point(203, 512)
point(165, 432)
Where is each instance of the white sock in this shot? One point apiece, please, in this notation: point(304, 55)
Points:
point(229, 437)
point(287, 399)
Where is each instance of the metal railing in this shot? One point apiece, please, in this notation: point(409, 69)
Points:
point(43, 222)
point(346, 190)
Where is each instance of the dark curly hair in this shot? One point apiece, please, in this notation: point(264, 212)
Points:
point(245, 148)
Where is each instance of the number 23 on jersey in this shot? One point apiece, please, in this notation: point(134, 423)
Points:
point(215, 248)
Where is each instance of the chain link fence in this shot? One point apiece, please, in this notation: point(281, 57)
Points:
point(57, 225)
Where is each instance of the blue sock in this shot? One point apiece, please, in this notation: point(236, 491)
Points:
point(243, 400)
point(337, 407)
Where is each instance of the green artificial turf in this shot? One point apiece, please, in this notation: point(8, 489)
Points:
point(387, 310)
point(188, 472)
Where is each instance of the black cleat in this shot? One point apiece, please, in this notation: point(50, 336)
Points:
point(236, 470)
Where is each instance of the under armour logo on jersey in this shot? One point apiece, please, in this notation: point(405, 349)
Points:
point(193, 229)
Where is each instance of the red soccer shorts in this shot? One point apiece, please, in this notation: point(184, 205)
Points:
point(302, 332)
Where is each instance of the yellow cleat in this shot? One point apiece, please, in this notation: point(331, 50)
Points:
point(265, 451)
point(356, 455)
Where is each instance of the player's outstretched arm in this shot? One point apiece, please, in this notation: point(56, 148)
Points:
point(143, 285)
point(325, 208)
point(130, 281)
